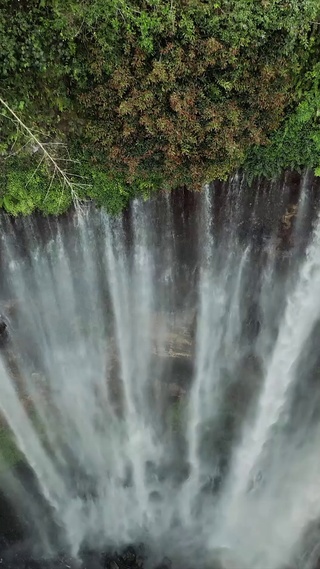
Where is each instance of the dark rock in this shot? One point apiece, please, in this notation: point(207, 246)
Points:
point(4, 335)
point(3, 325)
point(129, 556)
point(109, 562)
point(141, 550)
point(155, 496)
point(90, 559)
point(132, 557)
point(32, 564)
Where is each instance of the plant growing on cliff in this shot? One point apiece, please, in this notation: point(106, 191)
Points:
point(297, 143)
point(158, 94)
point(201, 91)
point(25, 193)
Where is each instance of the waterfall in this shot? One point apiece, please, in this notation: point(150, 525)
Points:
point(159, 375)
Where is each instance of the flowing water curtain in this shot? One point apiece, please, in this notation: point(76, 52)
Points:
point(99, 443)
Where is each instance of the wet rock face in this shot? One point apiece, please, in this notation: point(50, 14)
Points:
point(4, 333)
point(131, 557)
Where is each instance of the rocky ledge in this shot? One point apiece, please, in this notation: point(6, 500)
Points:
point(129, 558)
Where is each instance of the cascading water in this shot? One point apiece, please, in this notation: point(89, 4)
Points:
point(160, 377)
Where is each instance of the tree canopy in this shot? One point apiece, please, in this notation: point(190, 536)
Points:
point(151, 94)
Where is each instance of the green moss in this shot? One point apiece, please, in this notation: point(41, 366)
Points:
point(176, 414)
point(10, 455)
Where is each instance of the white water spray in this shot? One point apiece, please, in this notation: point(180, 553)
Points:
point(142, 422)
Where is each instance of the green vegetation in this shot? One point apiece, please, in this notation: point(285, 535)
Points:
point(25, 187)
point(176, 415)
point(10, 455)
point(131, 96)
point(296, 144)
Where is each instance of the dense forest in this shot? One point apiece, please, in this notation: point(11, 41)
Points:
point(108, 99)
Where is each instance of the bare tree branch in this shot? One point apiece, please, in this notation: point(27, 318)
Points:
point(37, 168)
point(43, 146)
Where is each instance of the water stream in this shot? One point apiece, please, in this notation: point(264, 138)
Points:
point(161, 375)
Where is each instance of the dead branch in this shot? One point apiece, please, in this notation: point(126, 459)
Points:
point(43, 146)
